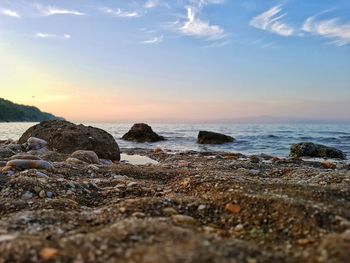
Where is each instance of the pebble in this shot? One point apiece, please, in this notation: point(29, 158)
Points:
point(48, 253)
point(49, 194)
point(183, 219)
point(232, 208)
point(132, 184)
point(42, 194)
point(239, 227)
point(27, 195)
point(328, 165)
point(201, 207)
point(169, 211)
point(138, 215)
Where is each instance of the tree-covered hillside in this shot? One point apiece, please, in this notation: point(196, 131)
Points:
point(10, 111)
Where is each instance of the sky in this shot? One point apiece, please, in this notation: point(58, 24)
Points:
point(177, 60)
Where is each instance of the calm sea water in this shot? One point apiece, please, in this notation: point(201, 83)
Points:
point(274, 139)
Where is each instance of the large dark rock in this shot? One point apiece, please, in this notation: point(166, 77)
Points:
point(141, 132)
point(66, 137)
point(309, 149)
point(207, 137)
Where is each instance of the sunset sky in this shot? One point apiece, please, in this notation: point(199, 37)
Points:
point(177, 60)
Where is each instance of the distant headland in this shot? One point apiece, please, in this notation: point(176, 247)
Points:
point(12, 112)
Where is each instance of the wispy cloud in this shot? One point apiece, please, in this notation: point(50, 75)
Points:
point(48, 35)
point(201, 29)
point(271, 21)
point(120, 13)
point(330, 28)
point(52, 10)
point(151, 4)
point(155, 40)
point(10, 13)
point(206, 2)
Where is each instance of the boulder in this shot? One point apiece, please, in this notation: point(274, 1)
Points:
point(141, 132)
point(207, 137)
point(29, 164)
point(86, 156)
point(309, 149)
point(35, 144)
point(66, 137)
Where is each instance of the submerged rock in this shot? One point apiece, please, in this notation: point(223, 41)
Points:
point(66, 137)
point(29, 164)
point(86, 156)
point(309, 149)
point(207, 137)
point(141, 132)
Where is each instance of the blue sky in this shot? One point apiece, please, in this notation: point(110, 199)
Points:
point(181, 60)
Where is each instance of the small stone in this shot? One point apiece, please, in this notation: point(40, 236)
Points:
point(201, 207)
point(138, 215)
point(132, 184)
point(303, 241)
point(120, 186)
point(254, 159)
point(70, 192)
point(169, 211)
point(183, 219)
point(37, 189)
point(27, 196)
point(42, 194)
point(328, 165)
point(239, 227)
point(48, 253)
point(233, 208)
point(49, 194)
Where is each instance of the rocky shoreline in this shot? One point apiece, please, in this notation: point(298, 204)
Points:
point(189, 207)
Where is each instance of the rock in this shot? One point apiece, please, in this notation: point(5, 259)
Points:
point(27, 196)
point(49, 194)
point(233, 208)
point(24, 157)
point(309, 149)
point(328, 165)
point(35, 144)
point(183, 219)
point(169, 211)
point(66, 137)
point(42, 194)
point(5, 153)
point(30, 164)
point(48, 254)
point(71, 160)
point(254, 159)
point(53, 156)
point(86, 156)
point(141, 132)
point(207, 137)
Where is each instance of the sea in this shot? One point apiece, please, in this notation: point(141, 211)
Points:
point(272, 139)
